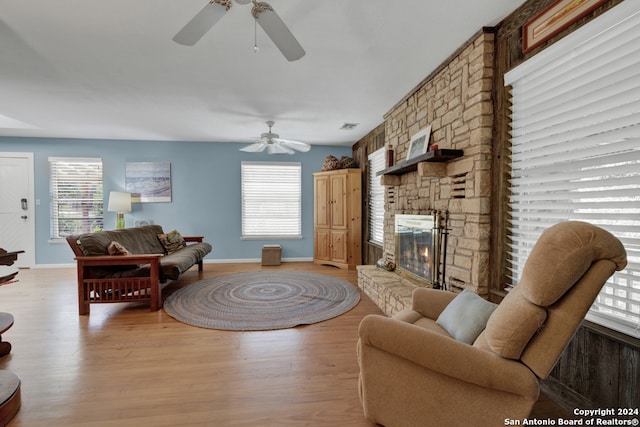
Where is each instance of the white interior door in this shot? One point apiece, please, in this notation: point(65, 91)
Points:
point(17, 222)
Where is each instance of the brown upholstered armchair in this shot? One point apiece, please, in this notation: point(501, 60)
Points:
point(414, 373)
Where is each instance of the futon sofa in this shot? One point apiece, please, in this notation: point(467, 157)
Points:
point(132, 264)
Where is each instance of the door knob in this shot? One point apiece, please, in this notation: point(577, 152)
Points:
point(23, 217)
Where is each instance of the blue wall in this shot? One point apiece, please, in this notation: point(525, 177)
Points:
point(205, 179)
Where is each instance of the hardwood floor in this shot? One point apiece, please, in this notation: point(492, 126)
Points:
point(123, 365)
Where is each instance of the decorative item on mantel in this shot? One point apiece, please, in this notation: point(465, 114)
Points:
point(419, 143)
point(389, 155)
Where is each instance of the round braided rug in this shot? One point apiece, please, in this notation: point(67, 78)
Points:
point(262, 300)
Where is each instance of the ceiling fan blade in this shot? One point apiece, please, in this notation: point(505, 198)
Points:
point(278, 149)
point(202, 22)
point(254, 148)
point(277, 31)
point(296, 145)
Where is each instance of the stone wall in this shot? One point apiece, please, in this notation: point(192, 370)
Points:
point(457, 102)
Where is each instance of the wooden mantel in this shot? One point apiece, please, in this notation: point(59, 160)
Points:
point(438, 156)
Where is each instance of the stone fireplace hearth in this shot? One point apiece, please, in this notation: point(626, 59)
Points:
point(457, 101)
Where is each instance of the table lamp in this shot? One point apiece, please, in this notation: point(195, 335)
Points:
point(119, 202)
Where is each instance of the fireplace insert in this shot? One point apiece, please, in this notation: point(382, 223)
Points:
point(417, 243)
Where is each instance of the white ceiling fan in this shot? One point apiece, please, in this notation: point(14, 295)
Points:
point(274, 144)
point(261, 11)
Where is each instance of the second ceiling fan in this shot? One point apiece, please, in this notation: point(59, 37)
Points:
point(264, 15)
point(274, 144)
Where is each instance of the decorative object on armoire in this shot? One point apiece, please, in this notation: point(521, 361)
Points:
point(347, 162)
point(330, 163)
point(262, 300)
point(337, 218)
point(119, 202)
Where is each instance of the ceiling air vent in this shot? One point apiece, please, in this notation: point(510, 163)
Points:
point(348, 126)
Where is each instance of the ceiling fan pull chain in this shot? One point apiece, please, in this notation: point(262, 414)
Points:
point(255, 35)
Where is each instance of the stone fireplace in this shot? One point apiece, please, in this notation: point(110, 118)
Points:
point(457, 101)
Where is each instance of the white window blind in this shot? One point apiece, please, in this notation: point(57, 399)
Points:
point(76, 196)
point(271, 200)
point(376, 197)
point(576, 149)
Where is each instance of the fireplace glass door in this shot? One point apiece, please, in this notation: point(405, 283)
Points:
point(416, 243)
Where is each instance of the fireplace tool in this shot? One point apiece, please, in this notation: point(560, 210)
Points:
point(436, 244)
point(445, 233)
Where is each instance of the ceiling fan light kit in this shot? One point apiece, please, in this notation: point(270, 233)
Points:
point(274, 144)
point(262, 12)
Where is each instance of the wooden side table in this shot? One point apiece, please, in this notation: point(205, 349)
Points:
point(6, 322)
point(6, 319)
point(10, 399)
point(9, 396)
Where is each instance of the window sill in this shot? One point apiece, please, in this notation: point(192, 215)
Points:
point(612, 334)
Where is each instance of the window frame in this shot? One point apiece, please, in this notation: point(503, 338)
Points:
point(280, 202)
point(376, 208)
point(65, 175)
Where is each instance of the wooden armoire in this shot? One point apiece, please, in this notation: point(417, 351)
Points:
point(337, 218)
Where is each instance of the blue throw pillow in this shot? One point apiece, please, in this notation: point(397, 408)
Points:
point(466, 316)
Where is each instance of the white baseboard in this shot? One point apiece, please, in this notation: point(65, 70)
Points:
point(250, 260)
point(54, 266)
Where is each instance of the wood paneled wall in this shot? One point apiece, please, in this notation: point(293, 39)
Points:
point(371, 142)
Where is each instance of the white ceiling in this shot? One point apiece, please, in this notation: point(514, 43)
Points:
point(108, 69)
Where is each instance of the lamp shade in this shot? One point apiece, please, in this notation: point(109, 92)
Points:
point(119, 202)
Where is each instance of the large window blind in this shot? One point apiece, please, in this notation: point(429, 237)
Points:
point(376, 197)
point(271, 200)
point(576, 149)
point(76, 196)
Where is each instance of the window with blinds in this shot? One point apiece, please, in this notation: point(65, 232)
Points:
point(271, 200)
point(376, 197)
point(76, 196)
point(576, 150)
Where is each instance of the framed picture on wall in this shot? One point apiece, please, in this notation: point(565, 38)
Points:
point(419, 143)
point(148, 181)
point(553, 19)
